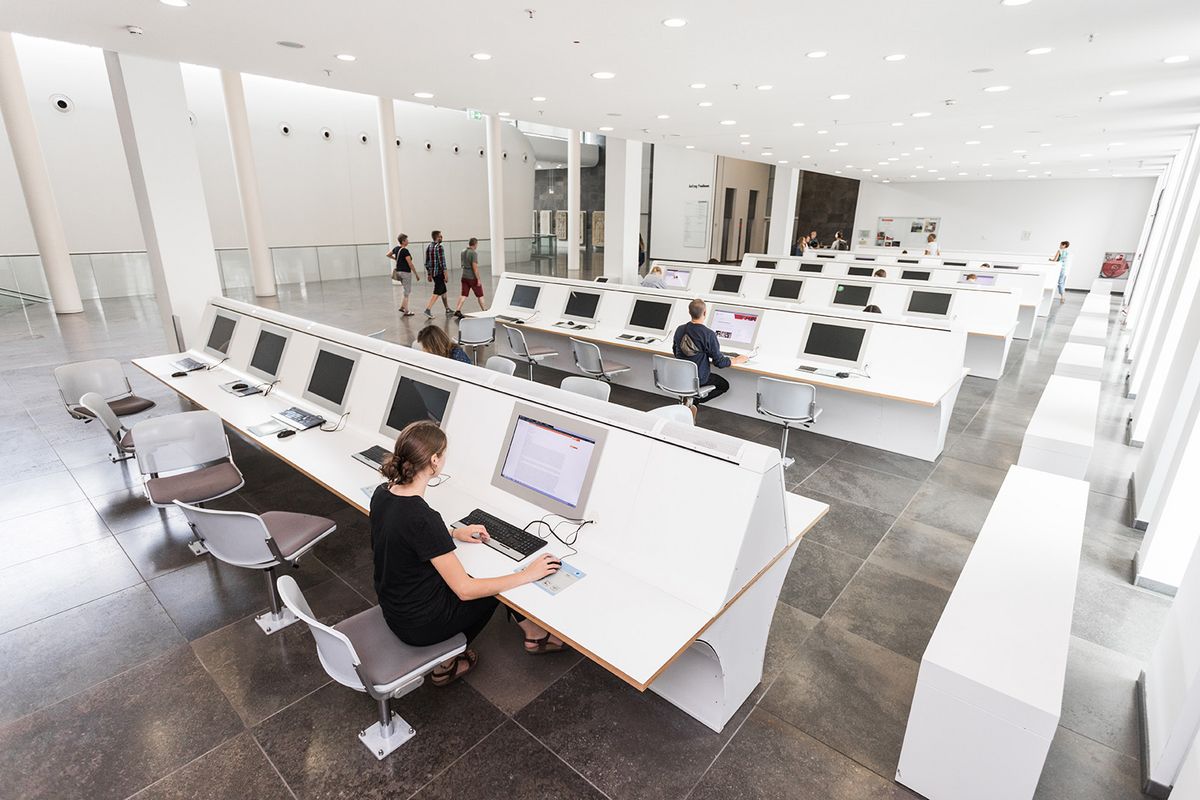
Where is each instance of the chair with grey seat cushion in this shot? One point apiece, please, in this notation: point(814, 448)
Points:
point(678, 377)
point(259, 542)
point(589, 387)
point(530, 355)
point(103, 376)
point(102, 412)
point(790, 403)
point(675, 412)
point(501, 364)
point(362, 653)
point(476, 332)
point(589, 361)
point(185, 457)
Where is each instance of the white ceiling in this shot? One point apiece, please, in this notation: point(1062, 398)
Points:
point(1058, 108)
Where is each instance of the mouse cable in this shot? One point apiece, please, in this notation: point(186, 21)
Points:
point(267, 387)
point(211, 367)
point(340, 424)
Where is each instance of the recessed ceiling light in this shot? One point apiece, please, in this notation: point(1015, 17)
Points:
point(1175, 59)
point(1039, 51)
point(704, 104)
point(822, 132)
point(833, 150)
point(986, 127)
point(887, 180)
point(954, 163)
point(837, 172)
point(931, 170)
point(766, 153)
point(339, 56)
point(962, 173)
point(1014, 2)
point(988, 175)
point(1045, 144)
point(806, 156)
point(743, 136)
point(699, 86)
point(973, 141)
point(538, 99)
point(941, 179)
point(995, 89)
point(504, 114)
point(817, 54)
point(866, 169)
point(912, 176)
point(606, 128)
point(1118, 93)
point(674, 22)
point(1018, 152)
point(905, 155)
point(895, 57)
point(729, 122)
point(1035, 163)
point(893, 158)
point(875, 177)
point(175, 3)
point(782, 162)
point(897, 124)
point(766, 87)
point(849, 166)
point(1093, 169)
point(664, 116)
point(841, 144)
point(481, 56)
point(881, 163)
point(292, 45)
point(423, 95)
point(604, 76)
point(797, 124)
point(839, 97)
point(920, 114)
point(1022, 170)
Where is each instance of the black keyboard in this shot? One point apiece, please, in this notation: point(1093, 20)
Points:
point(373, 456)
point(299, 418)
point(507, 539)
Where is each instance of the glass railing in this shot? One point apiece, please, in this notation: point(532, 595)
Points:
point(99, 275)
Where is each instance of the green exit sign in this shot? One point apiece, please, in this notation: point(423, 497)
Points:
point(474, 113)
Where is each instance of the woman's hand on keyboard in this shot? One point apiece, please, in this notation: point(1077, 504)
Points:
point(473, 534)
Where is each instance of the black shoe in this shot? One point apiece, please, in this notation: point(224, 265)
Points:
point(458, 315)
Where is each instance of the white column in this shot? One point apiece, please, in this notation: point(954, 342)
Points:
point(783, 211)
point(1143, 240)
point(573, 200)
point(35, 183)
point(389, 158)
point(261, 267)
point(495, 172)
point(165, 172)
point(1137, 292)
point(622, 209)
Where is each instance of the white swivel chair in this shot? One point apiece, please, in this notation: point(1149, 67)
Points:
point(530, 355)
point(361, 652)
point(95, 405)
point(248, 540)
point(589, 361)
point(789, 402)
point(675, 413)
point(185, 457)
point(501, 364)
point(103, 376)
point(476, 332)
point(590, 387)
point(678, 377)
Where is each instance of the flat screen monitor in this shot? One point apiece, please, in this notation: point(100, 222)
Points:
point(729, 284)
point(864, 258)
point(1005, 266)
point(415, 401)
point(953, 263)
point(329, 380)
point(734, 326)
point(550, 460)
point(976, 279)
point(602, 279)
point(676, 278)
point(935, 304)
point(914, 275)
point(849, 294)
point(221, 335)
point(862, 272)
point(838, 344)
point(525, 296)
point(812, 267)
point(582, 305)
point(826, 255)
point(650, 315)
point(785, 289)
point(268, 353)
point(760, 264)
point(914, 261)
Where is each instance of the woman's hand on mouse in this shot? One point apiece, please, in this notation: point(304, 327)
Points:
point(540, 567)
point(473, 534)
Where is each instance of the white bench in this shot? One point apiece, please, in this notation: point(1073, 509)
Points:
point(1097, 304)
point(1102, 285)
point(1089, 330)
point(1062, 431)
point(989, 691)
point(1080, 361)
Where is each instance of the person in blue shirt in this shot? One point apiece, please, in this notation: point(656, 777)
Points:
point(1064, 252)
point(697, 343)
point(435, 340)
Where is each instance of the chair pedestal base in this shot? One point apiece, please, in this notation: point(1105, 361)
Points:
point(381, 743)
point(117, 459)
point(788, 461)
point(271, 623)
point(197, 547)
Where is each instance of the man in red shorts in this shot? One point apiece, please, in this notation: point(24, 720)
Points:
point(470, 276)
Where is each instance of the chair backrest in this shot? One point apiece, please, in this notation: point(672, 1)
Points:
point(180, 441)
point(102, 376)
point(676, 376)
point(589, 387)
point(501, 364)
point(334, 648)
point(236, 537)
point(675, 413)
point(587, 357)
point(786, 399)
point(516, 341)
point(476, 330)
point(103, 412)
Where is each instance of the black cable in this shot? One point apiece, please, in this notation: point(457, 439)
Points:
point(211, 367)
point(338, 426)
point(269, 386)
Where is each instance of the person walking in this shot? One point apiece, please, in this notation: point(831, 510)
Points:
point(469, 260)
point(1064, 251)
point(404, 272)
point(435, 270)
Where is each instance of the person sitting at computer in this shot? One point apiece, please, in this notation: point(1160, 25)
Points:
point(872, 309)
point(434, 340)
point(654, 278)
point(879, 273)
point(425, 594)
point(697, 343)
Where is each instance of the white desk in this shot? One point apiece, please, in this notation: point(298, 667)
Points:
point(1090, 330)
point(1096, 304)
point(990, 687)
point(1062, 431)
point(1081, 361)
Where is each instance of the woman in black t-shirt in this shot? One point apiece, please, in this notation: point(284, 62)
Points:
point(425, 594)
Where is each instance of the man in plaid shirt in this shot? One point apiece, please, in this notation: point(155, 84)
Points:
point(435, 269)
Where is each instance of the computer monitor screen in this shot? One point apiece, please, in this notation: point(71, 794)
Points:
point(582, 305)
point(826, 255)
point(734, 326)
point(848, 294)
point(221, 334)
point(765, 264)
point(937, 303)
point(727, 283)
point(812, 267)
point(650, 314)
point(415, 401)
point(268, 353)
point(864, 272)
point(864, 258)
point(1005, 266)
point(676, 278)
point(914, 261)
point(914, 275)
point(330, 378)
point(784, 289)
point(974, 278)
point(953, 263)
point(525, 296)
point(548, 460)
point(836, 342)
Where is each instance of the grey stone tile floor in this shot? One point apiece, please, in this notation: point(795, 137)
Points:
point(130, 668)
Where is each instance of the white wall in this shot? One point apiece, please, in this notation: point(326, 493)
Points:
point(743, 176)
point(1030, 216)
point(680, 177)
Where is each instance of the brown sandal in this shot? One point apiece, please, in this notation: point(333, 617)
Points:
point(543, 646)
point(445, 677)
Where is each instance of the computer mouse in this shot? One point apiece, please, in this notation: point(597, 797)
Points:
point(237, 387)
point(843, 374)
point(178, 374)
point(285, 434)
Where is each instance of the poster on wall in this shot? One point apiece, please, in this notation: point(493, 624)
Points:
point(1116, 265)
point(560, 225)
point(907, 233)
point(544, 227)
point(597, 229)
point(695, 224)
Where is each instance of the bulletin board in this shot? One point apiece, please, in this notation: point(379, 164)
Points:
point(905, 233)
